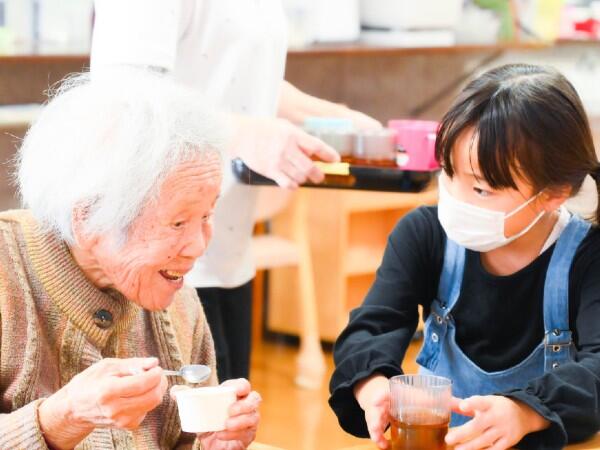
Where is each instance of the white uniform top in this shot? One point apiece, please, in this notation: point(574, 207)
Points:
point(233, 51)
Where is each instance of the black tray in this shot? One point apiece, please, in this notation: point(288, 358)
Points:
point(361, 178)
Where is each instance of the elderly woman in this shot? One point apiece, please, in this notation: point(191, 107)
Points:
point(120, 176)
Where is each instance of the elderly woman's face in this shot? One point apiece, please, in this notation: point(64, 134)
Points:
point(166, 239)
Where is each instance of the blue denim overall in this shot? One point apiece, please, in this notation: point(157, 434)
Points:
point(441, 355)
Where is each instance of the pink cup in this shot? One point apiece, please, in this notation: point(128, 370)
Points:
point(417, 139)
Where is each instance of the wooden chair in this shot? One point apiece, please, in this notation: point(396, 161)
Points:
point(272, 251)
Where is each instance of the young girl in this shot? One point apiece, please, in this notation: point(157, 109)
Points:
point(508, 279)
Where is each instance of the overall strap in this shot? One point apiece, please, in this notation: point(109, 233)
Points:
point(556, 287)
point(436, 324)
point(452, 274)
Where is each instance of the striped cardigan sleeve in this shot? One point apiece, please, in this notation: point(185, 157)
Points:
point(20, 429)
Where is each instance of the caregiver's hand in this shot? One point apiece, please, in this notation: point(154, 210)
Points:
point(279, 150)
point(113, 393)
point(360, 120)
point(498, 423)
point(373, 396)
point(296, 106)
point(242, 423)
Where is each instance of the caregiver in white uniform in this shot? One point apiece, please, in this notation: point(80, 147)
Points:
point(234, 51)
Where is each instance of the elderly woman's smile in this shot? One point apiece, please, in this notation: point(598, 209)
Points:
point(172, 276)
point(163, 242)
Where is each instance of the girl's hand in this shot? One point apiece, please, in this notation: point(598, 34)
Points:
point(498, 423)
point(373, 396)
point(243, 420)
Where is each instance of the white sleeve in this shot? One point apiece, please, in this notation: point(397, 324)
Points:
point(135, 32)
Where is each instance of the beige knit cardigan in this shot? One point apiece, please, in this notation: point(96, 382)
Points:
point(50, 331)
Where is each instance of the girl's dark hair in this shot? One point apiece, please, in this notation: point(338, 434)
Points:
point(530, 123)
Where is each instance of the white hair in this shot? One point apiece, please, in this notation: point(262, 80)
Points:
point(106, 142)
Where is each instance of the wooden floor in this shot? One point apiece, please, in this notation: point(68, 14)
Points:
point(295, 418)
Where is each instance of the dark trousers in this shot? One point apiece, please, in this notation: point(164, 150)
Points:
point(229, 316)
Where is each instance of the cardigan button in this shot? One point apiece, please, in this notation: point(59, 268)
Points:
point(103, 319)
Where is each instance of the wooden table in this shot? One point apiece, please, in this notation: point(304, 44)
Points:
point(593, 444)
point(257, 446)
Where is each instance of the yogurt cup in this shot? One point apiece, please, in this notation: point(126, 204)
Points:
point(204, 409)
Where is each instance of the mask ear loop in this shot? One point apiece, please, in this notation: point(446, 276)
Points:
point(532, 224)
point(524, 205)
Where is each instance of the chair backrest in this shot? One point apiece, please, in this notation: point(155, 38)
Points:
point(271, 201)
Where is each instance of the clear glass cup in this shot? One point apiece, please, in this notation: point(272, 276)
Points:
point(376, 148)
point(419, 411)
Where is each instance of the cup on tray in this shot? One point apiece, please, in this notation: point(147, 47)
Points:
point(376, 148)
point(336, 132)
point(416, 144)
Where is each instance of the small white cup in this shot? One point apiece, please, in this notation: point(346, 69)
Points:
point(204, 409)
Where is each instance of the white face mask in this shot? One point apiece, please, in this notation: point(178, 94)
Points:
point(478, 229)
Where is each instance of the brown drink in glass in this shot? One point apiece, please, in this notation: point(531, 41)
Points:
point(420, 412)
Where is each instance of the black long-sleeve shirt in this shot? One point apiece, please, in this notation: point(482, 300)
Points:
point(499, 322)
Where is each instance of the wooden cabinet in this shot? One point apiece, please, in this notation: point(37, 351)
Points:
point(348, 233)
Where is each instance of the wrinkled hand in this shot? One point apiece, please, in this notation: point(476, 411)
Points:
point(113, 393)
point(279, 150)
point(116, 393)
point(243, 419)
point(498, 423)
